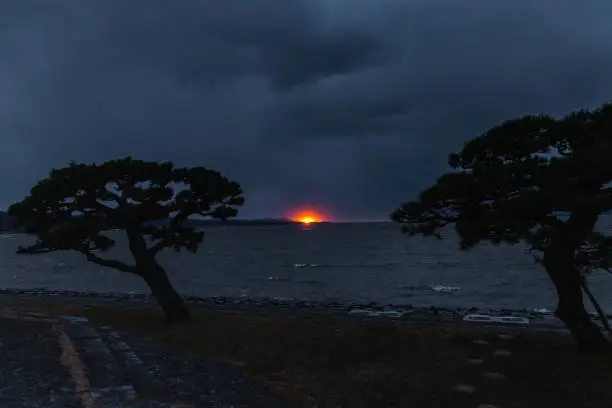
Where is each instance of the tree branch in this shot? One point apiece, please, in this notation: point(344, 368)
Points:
point(596, 305)
point(109, 263)
point(34, 249)
point(175, 223)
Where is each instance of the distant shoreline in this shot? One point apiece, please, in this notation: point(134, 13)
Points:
point(195, 223)
point(267, 222)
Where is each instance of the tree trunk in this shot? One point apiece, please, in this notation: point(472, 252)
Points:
point(147, 267)
point(602, 316)
point(570, 306)
point(559, 261)
point(168, 298)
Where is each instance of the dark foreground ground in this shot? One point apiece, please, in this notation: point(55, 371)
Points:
point(58, 362)
point(315, 360)
point(31, 367)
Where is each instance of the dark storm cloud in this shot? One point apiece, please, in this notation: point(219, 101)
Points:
point(351, 106)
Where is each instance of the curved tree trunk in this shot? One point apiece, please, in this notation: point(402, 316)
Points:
point(559, 263)
point(157, 279)
point(168, 298)
point(571, 311)
point(570, 307)
point(602, 316)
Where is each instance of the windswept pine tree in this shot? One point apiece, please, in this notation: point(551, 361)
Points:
point(75, 207)
point(508, 186)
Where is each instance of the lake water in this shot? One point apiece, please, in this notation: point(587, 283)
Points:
point(361, 262)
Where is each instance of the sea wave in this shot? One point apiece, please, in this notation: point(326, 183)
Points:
point(541, 310)
point(279, 278)
point(345, 265)
point(293, 280)
point(443, 263)
point(304, 265)
point(430, 288)
point(443, 288)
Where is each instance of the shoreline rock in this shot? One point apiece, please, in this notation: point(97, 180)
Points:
point(442, 313)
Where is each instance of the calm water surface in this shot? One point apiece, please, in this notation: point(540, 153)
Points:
point(351, 262)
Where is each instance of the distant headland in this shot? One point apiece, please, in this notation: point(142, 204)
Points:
point(5, 224)
point(194, 222)
point(198, 223)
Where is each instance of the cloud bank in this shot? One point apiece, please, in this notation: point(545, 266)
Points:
point(351, 106)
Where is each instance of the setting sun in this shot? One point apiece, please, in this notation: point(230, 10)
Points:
point(307, 216)
point(308, 220)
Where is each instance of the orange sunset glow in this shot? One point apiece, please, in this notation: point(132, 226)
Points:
point(307, 216)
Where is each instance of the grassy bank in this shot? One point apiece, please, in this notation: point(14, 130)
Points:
point(323, 362)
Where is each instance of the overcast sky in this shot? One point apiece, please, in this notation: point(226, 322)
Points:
point(348, 105)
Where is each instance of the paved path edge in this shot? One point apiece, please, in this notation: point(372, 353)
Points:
point(100, 378)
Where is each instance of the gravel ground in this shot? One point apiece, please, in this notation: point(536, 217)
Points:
point(31, 370)
point(167, 375)
point(58, 363)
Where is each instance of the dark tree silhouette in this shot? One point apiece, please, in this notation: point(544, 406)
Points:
point(508, 185)
point(75, 207)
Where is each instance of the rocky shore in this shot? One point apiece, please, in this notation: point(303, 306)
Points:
point(526, 317)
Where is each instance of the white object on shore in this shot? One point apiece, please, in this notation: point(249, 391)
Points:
point(512, 320)
point(495, 319)
point(387, 313)
point(477, 318)
point(372, 313)
point(502, 353)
